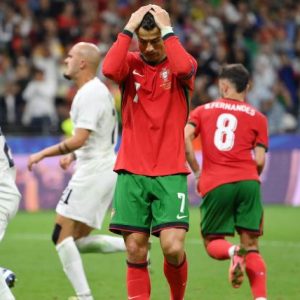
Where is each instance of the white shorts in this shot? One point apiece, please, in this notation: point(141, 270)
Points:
point(9, 198)
point(88, 196)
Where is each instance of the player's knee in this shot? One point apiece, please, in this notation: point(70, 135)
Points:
point(172, 249)
point(136, 251)
point(55, 233)
point(248, 240)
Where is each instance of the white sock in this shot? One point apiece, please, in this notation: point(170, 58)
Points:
point(5, 293)
point(261, 298)
point(231, 250)
point(73, 267)
point(100, 244)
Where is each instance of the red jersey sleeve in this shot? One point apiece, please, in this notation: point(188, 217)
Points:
point(194, 119)
point(182, 64)
point(262, 131)
point(115, 64)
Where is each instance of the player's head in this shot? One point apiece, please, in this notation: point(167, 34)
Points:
point(233, 76)
point(150, 42)
point(82, 59)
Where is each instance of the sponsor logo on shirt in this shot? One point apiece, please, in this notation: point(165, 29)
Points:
point(135, 72)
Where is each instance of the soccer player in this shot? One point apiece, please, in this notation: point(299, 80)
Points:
point(151, 191)
point(85, 200)
point(9, 203)
point(234, 141)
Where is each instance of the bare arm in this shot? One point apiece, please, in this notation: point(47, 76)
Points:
point(67, 146)
point(189, 133)
point(260, 158)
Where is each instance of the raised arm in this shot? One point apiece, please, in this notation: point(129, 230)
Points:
point(115, 64)
point(182, 63)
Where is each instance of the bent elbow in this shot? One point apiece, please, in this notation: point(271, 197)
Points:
point(186, 71)
point(106, 71)
point(111, 74)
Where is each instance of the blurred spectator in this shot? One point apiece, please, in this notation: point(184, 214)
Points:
point(279, 120)
point(289, 79)
point(11, 106)
point(40, 112)
point(262, 35)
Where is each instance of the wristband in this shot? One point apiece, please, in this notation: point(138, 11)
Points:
point(128, 32)
point(166, 30)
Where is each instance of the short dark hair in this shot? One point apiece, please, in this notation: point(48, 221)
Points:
point(148, 22)
point(237, 74)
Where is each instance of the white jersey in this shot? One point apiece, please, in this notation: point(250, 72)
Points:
point(90, 190)
point(6, 160)
point(93, 109)
point(9, 193)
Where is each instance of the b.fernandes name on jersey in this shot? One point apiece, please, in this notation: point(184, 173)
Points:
point(229, 106)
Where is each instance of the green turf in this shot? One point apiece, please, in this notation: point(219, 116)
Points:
point(28, 251)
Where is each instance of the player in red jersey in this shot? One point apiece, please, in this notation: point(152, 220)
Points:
point(234, 140)
point(151, 192)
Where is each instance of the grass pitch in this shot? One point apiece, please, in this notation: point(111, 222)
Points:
point(27, 249)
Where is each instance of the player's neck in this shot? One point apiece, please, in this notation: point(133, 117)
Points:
point(83, 80)
point(235, 96)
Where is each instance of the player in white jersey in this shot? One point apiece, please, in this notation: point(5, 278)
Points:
point(86, 198)
point(9, 202)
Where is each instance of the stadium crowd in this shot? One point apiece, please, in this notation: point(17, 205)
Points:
point(35, 36)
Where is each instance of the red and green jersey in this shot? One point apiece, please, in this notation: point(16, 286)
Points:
point(155, 107)
point(229, 131)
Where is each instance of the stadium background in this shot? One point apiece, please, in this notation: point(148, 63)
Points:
point(35, 36)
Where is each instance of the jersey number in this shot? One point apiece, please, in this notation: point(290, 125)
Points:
point(66, 195)
point(224, 134)
point(181, 196)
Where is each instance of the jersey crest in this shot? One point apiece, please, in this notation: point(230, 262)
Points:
point(165, 76)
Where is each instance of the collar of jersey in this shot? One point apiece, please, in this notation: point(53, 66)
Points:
point(152, 64)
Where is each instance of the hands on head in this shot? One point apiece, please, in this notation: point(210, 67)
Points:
point(160, 15)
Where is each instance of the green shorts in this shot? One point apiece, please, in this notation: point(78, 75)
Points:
point(149, 204)
point(230, 207)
